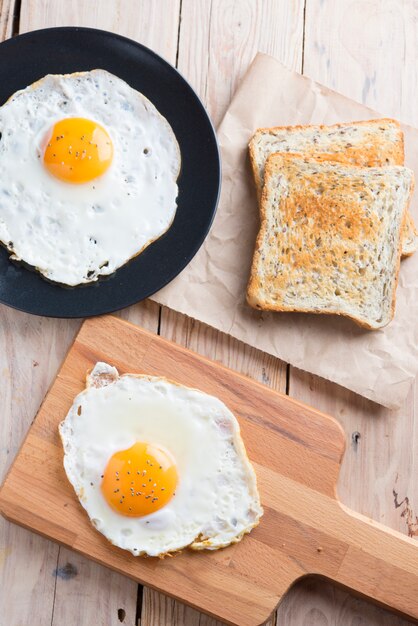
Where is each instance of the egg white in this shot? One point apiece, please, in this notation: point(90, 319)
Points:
point(216, 500)
point(74, 233)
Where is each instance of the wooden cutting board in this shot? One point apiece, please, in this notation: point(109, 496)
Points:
point(296, 452)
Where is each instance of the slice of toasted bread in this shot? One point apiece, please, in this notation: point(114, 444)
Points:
point(330, 238)
point(371, 143)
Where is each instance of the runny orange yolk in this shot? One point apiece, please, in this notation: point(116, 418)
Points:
point(78, 150)
point(140, 480)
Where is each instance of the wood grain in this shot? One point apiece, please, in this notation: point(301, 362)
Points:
point(8, 11)
point(155, 26)
point(22, 386)
point(29, 359)
point(304, 529)
point(351, 46)
point(364, 50)
point(217, 40)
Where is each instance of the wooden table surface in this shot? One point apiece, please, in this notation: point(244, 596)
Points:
point(366, 49)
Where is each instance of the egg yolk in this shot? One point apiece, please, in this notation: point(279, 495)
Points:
point(140, 480)
point(77, 150)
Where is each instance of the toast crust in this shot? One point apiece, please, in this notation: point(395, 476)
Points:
point(255, 282)
point(360, 156)
point(368, 155)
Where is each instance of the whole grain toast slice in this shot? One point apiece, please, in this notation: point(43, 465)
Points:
point(369, 143)
point(330, 238)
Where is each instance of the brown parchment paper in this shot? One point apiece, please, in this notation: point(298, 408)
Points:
point(380, 365)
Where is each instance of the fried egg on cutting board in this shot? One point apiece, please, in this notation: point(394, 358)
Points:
point(157, 466)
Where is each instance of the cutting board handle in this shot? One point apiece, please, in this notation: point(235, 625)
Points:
point(379, 563)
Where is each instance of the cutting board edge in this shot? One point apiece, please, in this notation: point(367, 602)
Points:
point(297, 404)
point(143, 581)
